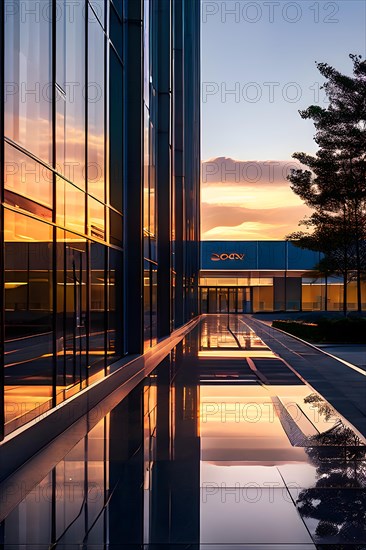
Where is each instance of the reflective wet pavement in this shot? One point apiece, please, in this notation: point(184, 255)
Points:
point(221, 447)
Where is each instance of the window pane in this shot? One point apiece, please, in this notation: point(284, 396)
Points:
point(95, 89)
point(152, 226)
point(70, 206)
point(28, 318)
point(118, 4)
point(96, 218)
point(26, 177)
point(115, 310)
point(147, 305)
point(115, 228)
point(116, 133)
point(97, 309)
point(146, 169)
point(71, 313)
point(99, 9)
point(28, 75)
point(115, 32)
point(147, 65)
point(70, 107)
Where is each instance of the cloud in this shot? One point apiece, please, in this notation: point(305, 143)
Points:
point(234, 206)
point(225, 170)
point(227, 216)
point(245, 231)
point(250, 196)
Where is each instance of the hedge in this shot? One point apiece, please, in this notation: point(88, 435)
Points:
point(347, 330)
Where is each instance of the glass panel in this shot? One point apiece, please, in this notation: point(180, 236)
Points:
point(212, 305)
point(204, 296)
point(96, 139)
point(61, 133)
point(26, 177)
point(70, 108)
point(115, 228)
point(115, 309)
point(263, 299)
point(70, 206)
point(97, 308)
point(96, 218)
point(28, 318)
point(28, 76)
point(248, 301)
point(154, 303)
point(147, 70)
point(116, 133)
point(99, 9)
point(222, 295)
point(63, 17)
point(152, 170)
point(232, 300)
point(118, 4)
point(147, 305)
point(115, 32)
point(71, 312)
point(146, 169)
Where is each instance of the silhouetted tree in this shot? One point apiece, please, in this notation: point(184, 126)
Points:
point(335, 183)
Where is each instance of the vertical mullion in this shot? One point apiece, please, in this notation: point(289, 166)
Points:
point(106, 307)
point(2, 255)
point(54, 231)
point(88, 255)
point(107, 201)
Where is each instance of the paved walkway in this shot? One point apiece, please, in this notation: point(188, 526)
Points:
point(342, 386)
point(352, 353)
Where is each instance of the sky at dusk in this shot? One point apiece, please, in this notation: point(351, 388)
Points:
point(258, 70)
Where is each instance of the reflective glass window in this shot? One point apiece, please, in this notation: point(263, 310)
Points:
point(147, 64)
point(71, 308)
point(96, 222)
point(28, 75)
point(70, 94)
point(26, 177)
point(115, 228)
point(152, 178)
point(154, 303)
point(28, 318)
point(146, 169)
point(99, 9)
point(115, 309)
point(147, 305)
point(97, 308)
point(116, 32)
point(118, 4)
point(116, 133)
point(96, 98)
point(70, 206)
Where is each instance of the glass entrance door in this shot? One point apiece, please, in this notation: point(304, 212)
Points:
point(226, 300)
point(222, 295)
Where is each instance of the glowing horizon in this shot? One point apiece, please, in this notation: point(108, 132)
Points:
point(248, 200)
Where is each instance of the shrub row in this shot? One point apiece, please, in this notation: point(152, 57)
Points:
point(345, 330)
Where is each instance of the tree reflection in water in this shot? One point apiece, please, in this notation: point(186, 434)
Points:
point(338, 499)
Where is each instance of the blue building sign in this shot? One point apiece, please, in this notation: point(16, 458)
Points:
point(255, 255)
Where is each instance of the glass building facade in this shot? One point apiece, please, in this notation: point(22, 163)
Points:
point(266, 276)
point(99, 197)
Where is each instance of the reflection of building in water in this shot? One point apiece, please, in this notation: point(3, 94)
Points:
point(334, 514)
point(133, 480)
point(191, 457)
point(100, 212)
